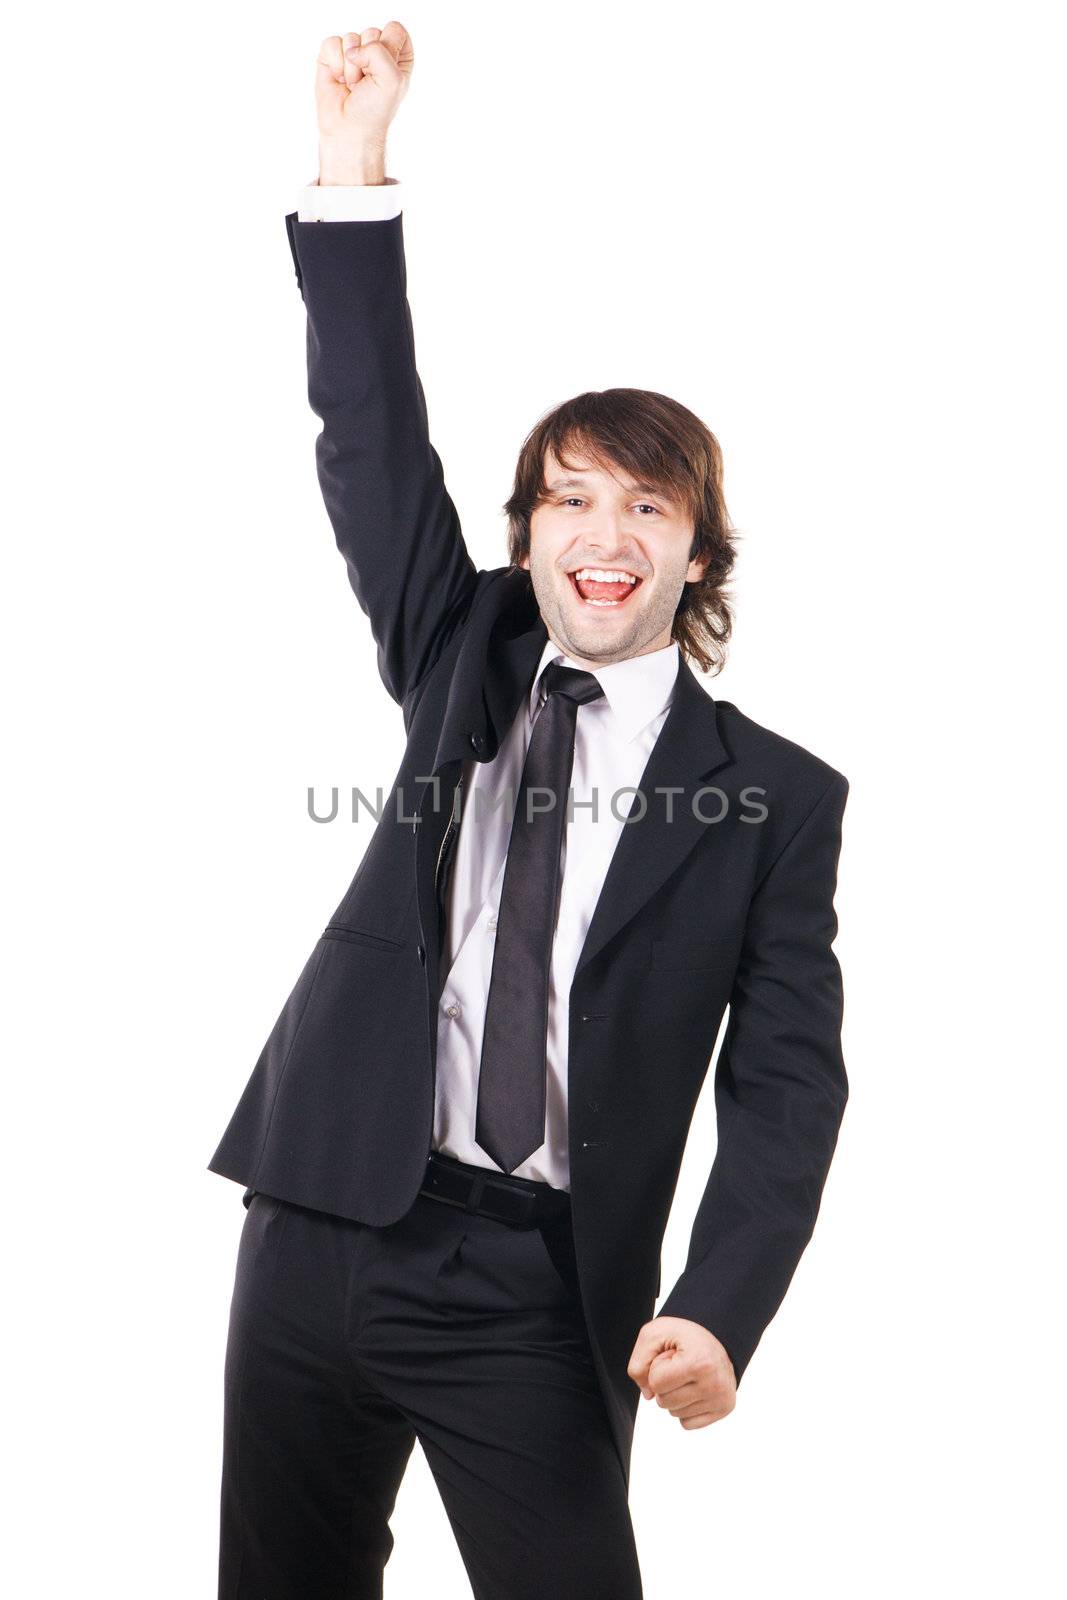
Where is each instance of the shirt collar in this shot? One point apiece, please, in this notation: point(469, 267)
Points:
point(636, 691)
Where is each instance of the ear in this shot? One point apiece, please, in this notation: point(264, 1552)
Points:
point(698, 565)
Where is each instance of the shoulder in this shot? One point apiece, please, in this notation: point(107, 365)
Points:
point(761, 751)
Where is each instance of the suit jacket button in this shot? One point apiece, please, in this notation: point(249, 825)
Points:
point(422, 955)
point(477, 742)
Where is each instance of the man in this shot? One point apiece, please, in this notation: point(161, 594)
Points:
point(461, 1141)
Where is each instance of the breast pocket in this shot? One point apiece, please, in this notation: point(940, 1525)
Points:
point(362, 936)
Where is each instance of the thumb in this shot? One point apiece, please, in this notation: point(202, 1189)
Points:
point(658, 1372)
point(647, 1346)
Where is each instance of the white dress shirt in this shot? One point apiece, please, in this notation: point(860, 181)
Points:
point(613, 740)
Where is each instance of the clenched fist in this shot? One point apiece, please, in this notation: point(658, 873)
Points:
point(686, 1368)
point(360, 80)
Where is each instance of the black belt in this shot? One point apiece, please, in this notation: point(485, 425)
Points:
point(524, 1202)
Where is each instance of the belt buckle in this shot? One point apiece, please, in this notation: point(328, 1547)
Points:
point(519, 1209)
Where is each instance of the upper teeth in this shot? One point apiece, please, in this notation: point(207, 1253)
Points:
point(603, 575)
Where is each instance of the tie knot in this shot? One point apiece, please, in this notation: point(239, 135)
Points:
point(581, 687)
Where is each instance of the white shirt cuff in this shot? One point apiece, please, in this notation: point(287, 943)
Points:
point(357, 202)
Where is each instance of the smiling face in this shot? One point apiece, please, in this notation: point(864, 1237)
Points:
point(608, 560)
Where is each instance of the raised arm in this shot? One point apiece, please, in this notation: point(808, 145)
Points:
point(381, 479)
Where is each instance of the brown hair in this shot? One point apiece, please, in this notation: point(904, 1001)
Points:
point(659, 442)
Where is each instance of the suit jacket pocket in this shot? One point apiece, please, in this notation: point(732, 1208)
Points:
point(363, 936)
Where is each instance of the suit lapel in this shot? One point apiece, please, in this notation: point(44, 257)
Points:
point(493, 672)
point(689, 749)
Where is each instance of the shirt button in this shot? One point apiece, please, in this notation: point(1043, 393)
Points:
point(492, 922)
point(452, 1009)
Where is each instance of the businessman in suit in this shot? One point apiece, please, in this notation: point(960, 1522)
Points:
point(460, 1143)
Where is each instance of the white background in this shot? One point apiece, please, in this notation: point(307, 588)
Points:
point(832, 230)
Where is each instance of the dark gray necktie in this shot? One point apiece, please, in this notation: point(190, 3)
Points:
point(512, 1077)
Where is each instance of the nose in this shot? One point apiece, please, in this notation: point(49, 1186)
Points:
point(609, 542)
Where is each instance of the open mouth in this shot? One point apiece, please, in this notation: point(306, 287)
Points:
point(604, 586)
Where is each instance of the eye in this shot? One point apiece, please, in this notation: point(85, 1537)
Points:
point(643, 505)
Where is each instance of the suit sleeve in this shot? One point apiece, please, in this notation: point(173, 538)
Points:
point(780, 1093)
point(381, 479)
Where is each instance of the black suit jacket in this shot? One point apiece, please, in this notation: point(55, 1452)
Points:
point(694, 915)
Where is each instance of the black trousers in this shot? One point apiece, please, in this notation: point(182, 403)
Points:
point(349, 1342)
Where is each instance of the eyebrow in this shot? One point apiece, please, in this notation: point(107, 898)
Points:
point(631, 488)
